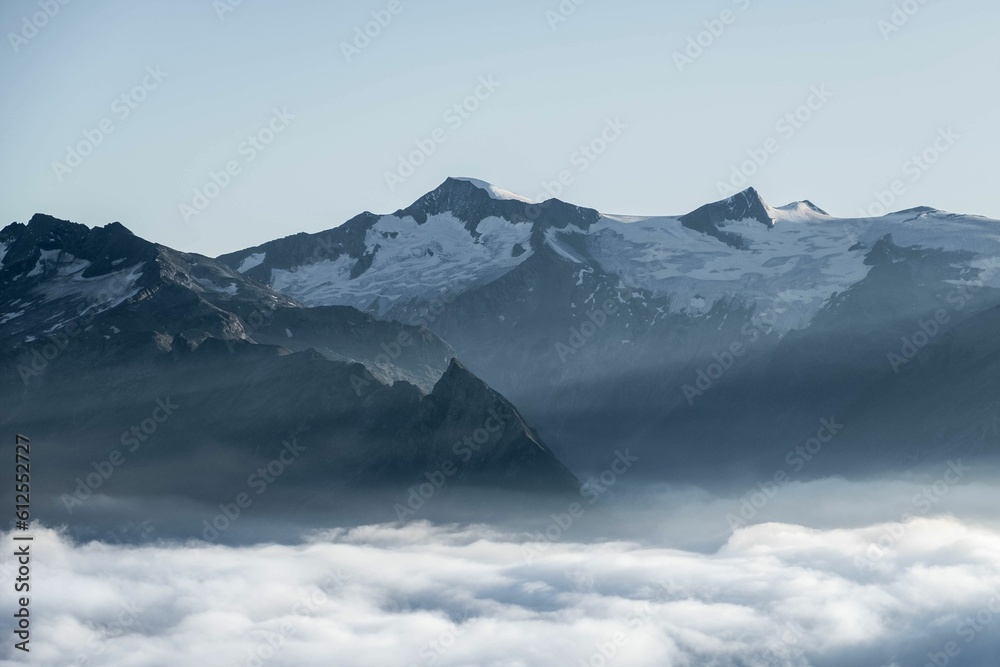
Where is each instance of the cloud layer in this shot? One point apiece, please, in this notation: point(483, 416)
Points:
point(894, 594)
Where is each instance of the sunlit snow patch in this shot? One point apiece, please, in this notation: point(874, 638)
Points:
point(495, 192)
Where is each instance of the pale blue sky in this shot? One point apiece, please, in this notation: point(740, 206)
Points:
point(686, 130)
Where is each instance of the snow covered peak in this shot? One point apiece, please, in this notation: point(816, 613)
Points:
point(494, 191)
point(919, 211)
point(799, 211)
point(746, 205)
point(712, 219)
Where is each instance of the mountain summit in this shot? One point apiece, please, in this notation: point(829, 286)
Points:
point(746, 205)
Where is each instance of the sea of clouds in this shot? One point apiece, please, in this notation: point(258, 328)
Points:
point(918, 589)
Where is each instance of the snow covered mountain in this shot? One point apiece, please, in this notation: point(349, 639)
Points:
point(610, 328)
point(784, 262)
point(462, 235)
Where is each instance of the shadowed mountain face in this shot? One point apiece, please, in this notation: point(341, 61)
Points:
point(151, 373)
point(709, 219)
point(714, 343)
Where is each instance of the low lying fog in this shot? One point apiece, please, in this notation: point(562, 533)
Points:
point(890, 573)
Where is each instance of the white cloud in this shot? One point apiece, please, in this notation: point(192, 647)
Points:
point(774, 594)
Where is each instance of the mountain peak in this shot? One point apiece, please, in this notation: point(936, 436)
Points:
point(47, 241)
point(472, 201)
point(746, 205)
point(512, 453)
point(918, 210)
point(455, 376)
point(750, 192)
point(492, 190)
point(799, 211)
point(460, 197)
point(41, 224)
point(813, 206)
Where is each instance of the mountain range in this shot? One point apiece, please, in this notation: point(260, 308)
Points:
point(480, 340)
point(144, 372)
point(713, 342)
